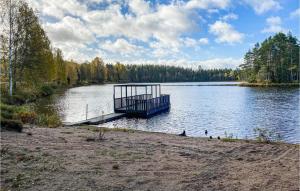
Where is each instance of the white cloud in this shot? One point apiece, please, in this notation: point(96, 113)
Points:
point(208, 4)
point(230, 16)
point(139, 7)
point(78, 51)
point(273, 25)
point(72, 37)
point(263, 6)
point(59, 8)
point(69, 29)
point(190, 42)
point(120, 46)
point(147, 30)
point(165, 24)
point(203, 41)
point(225, 33)
point(295, 14)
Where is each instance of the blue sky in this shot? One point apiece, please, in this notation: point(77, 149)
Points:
point(187, 33)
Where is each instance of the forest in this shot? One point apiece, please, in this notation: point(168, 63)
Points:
point(29, 61)
point(275, 60)
point(35, 63)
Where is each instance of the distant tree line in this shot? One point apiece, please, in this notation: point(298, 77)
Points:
point(275, 60)
point(35, 63)
point(153, 73)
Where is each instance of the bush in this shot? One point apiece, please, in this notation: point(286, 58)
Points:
point(17, 100)
point(51, 121)
point(263, 135)
point(46, 90)
point(6, 114)
point(7, 111)
point(27, 117)
point(12, 125)
point(54, 86)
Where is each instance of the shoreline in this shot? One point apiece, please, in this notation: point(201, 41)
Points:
point(234, 83)
point(245, 84)
point(38, 159)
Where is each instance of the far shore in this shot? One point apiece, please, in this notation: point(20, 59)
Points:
point(241, 84)
point(74, 158)
point(219, 83)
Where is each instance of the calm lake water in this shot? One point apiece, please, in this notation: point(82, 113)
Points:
point(232, 110)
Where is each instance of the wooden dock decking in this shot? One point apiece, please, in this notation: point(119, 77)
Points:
point(97, 120)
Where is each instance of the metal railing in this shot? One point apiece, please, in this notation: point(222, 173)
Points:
point(123, 103)
point(146, 104)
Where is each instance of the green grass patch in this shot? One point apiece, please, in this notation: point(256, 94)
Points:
point(15, 114)
point(51, 121)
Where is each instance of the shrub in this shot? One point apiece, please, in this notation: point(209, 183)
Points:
point(263, 135)
point(48, 120)
point(7, 111)
point(6, 114)
point(46, 90)
point(12, 125)
point(229, 138)
point(27, 116)
point(18, 99)
point(54, 86)
point(101, 134)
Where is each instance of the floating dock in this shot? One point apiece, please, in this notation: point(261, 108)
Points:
point(97, 120)
point(140, 100)
point(133, 100)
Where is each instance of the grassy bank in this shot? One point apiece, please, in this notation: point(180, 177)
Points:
point(246, 84)
point(136, 160)
point(17, 109)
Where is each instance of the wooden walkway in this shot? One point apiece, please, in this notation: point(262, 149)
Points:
point(97, 120)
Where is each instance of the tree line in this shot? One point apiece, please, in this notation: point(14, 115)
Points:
point(29, 61)
point(27, 52)
point(275, 60)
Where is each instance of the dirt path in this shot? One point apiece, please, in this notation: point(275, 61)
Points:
point(62, 159)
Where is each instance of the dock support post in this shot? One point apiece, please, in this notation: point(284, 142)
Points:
point(159, 90)
point(114, 98)
point(86, 111)
point(121, 97)
point(126, 99)
point(130, 97)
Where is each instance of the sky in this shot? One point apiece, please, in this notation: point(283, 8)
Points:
point(186, 33)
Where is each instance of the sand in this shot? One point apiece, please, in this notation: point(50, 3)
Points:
point(63, 159)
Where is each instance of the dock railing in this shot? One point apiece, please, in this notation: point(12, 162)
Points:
point(141, 100)
point(124, 102)
point(147, 105)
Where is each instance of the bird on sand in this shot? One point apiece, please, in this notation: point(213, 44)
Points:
point(219, 137)
point(210, 137)
point(182, 134)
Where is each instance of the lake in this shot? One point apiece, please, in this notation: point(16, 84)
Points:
point(222, 110)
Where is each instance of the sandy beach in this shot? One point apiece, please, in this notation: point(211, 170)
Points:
point(72, 158)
